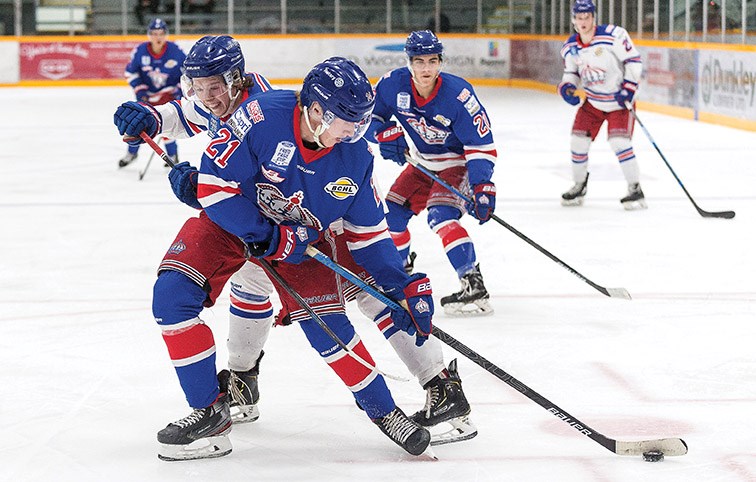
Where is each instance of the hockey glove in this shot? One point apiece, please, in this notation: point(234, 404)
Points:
point(183, 177)
point(133, 118)
point(417, 318)
point(626, 93)
point(567, 91)
point(287, 244)
point(390, 138)
point(483, 201)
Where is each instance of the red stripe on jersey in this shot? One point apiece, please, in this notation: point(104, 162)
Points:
point(385, 323)
point(205, 190)
point(353, 237)
point(472, 152)
point(400, 239)
point(189, 343)
point(350, 370)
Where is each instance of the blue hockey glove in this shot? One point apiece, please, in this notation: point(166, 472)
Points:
point(287, 244)
point(390, 138)
point(133, 118)
point(626, 93)
point(418, 319)
point(483, 201)
point(567, 91)
point(183, 177)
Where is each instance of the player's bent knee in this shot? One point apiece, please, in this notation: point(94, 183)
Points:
point(440, 214)
point(176, 298)
point(620, 143)
point(580, 143)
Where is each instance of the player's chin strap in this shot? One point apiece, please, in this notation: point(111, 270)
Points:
point(316, 133)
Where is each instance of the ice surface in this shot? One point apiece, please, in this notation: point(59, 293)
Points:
point(86, 381)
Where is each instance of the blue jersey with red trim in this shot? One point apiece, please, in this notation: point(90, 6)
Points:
point(449, 128)
point(156, 75)
point(257, 173)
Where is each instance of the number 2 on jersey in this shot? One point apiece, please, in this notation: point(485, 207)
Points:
point(224, 136)
point(481, 121)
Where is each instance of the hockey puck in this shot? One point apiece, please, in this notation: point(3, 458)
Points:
point(653, 456)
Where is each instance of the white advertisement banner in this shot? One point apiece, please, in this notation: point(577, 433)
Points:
point(9, 64)
point(727, 83)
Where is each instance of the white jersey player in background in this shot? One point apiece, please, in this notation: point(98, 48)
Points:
point(604, 60)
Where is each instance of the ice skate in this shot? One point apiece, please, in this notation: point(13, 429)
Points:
point(635, 199)
point(127, 159)
point(404, 432)
point(202, 434)
point(574, 197)
point(471, 300)
point(446, 409)
point(244, 394)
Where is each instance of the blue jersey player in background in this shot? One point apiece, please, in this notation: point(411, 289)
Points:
point(154, 72)
point(443, 117)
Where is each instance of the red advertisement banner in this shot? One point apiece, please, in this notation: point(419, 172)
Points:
point(74, 60)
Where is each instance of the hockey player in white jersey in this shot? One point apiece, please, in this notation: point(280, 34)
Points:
point(602, 59)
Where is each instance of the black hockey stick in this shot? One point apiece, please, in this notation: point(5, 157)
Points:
point(313, 314)
point(668, 446)
point(611, 292)
point(147, 166)
point(702, 212)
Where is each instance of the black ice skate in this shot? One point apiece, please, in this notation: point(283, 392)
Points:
point(202, 434)
point(635, 198)
point(404, 432)
point(446, 402)
point(127, 159)
point(245, 394)
point(471, 300)
point(574, 197)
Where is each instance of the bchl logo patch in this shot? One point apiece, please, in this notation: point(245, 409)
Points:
point(403, 100)
point(442, 120)
point(284, 153)
point(342, 188)
point(177, 247)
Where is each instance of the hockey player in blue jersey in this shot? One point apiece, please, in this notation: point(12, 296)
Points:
point(154, 72)
point(602, 59)
point(251, 310)
point(443, 117)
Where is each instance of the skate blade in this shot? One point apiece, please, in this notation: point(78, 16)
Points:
point(461, 429)
point(476, 308)
point(578, 201)
point(635, 205)
point(244, 413)
point(204, 448)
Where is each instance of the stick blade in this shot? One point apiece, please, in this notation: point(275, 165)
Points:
point(668, 446)
point(618, 293)
point(718, 214)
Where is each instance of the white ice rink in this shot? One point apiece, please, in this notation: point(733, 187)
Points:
point(87, 383)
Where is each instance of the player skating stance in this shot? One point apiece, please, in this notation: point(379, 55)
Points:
point(251, 310)
point(604, 60)
point(154, 72)
point(450, 128)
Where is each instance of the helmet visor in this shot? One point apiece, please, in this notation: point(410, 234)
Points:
point(346, 131)
point(203, 89)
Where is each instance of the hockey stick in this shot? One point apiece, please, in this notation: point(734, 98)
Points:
point(310, 311)
point(147, 166)
point(668, 446)
point(611, 292)
point(702, 212)
point(155, 147)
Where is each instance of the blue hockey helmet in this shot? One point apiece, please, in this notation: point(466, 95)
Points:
point(158, 24)
point(422, 42)
point(215, 55)
point(343, 91)
point(583, 6)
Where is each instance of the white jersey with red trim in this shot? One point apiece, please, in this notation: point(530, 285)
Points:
point(604, 66)
point(449, 128)
point(186, 118)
